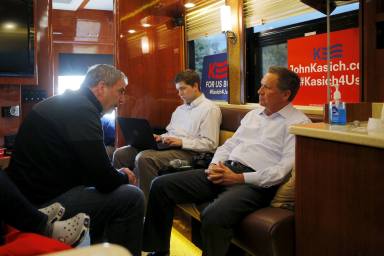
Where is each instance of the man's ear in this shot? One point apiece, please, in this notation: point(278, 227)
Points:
point(287, 94)
point(196, 85)
point(101, 84)
point(98, 89)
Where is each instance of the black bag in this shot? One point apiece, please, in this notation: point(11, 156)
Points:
point(202, 160)
point(199, 161)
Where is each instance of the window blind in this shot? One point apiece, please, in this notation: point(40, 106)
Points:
point(257, 12)
point(203, 19)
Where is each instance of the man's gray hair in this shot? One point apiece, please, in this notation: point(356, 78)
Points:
point(288, 80)
point(103, 72)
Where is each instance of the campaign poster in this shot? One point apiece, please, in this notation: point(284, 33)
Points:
point(214, 82)
point(307, 56)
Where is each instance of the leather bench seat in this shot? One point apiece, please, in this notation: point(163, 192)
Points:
point(267, 231)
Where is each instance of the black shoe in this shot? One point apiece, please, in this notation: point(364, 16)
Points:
point(158, 253)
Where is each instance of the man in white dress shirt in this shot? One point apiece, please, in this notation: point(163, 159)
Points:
point(194, 127)
point(243, 176)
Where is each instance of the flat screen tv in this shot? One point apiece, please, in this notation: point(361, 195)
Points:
point(16, 38)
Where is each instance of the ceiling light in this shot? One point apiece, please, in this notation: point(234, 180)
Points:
point(189, 5)
point(146, 25)
point(9, 25)
point(145, 44)
point(131, 31)
point(226, 23)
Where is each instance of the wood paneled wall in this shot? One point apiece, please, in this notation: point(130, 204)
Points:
point(150, 57)
point(44, 51)
point(71, 37)
point(83, 31)
point(372, 55)
point(83, 27)
point(236, 55)
point(38, 7)
point(10, 95)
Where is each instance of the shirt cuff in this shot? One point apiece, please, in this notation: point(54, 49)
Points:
point(186, 143)
point(251, 178)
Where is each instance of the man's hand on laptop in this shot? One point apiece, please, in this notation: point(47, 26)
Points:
point(130, 174)
point(172, 141)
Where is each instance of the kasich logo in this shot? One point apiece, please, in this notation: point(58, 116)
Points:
point(336, 52)
point(218, 70)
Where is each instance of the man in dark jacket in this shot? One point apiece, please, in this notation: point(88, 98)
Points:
point(60, 156)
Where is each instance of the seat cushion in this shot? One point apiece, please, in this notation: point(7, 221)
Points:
point(285, 195)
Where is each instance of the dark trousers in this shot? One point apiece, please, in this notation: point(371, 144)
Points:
point(228, 206)
point(116, 217)
point(17, 211)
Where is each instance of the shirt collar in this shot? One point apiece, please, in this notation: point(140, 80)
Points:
point(196, 101)
point(285, 112)
point(92, 98)
point(260, 110)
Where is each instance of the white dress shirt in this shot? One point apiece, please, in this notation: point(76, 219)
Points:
point(264, 144)
point(197, 124)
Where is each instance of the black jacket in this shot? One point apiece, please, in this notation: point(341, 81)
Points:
point(59, 146)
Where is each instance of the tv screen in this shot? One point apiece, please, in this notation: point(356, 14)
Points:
point(16, 38)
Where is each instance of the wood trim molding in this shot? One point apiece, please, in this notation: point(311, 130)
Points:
point(235, 51)
point(82, 5)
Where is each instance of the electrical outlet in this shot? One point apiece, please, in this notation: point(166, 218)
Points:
point(10, 111)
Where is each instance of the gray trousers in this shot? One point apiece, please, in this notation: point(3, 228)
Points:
point(228, 206)
point(146, 164)
point(116, 217)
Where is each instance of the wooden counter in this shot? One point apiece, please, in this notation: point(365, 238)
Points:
point(341, 133)
point(339, 190)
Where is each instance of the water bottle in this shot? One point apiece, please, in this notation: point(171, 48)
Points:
point(179, 163)
point(337, 110)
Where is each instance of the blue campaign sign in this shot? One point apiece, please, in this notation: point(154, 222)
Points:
point(214, 82)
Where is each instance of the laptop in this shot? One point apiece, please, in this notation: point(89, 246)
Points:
point(138, 133)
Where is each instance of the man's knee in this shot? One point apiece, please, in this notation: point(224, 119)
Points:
point(117, 156)
point(124, 156)
point(143, 159)
point(130, 195)
point(163, 187)
point(158, 184)
point(212, 218)
point(118, 152)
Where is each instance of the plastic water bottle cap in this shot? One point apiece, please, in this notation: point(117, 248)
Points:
point(337, 94)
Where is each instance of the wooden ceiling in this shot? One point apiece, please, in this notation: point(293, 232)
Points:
point(75, 5)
